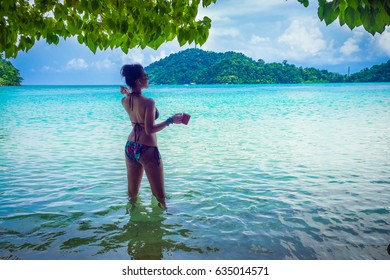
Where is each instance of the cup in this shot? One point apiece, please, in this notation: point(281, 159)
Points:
point(186, 118)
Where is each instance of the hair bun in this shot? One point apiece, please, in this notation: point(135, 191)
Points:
point(126, 69)
point(132, 72)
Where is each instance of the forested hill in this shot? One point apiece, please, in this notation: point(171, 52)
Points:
point(204, 67)
point(9, 75)
point(377, 73)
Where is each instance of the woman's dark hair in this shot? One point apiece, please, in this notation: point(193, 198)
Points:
point(132, 72)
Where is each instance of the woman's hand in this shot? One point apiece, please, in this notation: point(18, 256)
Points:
point(125, 90)
point(177, 118)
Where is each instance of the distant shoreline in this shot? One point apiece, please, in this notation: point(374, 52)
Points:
point(216, 84)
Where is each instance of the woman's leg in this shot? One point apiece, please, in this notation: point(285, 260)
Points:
point(154, 171)
point(134, 176)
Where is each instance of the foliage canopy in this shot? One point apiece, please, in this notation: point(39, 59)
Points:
point(9, 75)
point(374, 15)
point(125, 24)
point(101, 24)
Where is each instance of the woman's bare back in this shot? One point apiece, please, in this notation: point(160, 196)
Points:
point(141, 111)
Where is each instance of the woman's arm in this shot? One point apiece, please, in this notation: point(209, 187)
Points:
point(126, 91)
point(150, 126)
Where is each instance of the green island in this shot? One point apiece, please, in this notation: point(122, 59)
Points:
point(195, 66)
point(9, 75)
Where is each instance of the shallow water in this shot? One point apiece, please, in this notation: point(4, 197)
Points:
point(260, 172)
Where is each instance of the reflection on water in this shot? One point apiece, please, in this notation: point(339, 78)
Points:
point(139, 232)
point(144, 232)
point(148, 236)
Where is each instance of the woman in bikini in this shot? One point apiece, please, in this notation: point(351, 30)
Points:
point(141, 148)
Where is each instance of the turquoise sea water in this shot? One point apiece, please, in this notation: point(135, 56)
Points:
point(260, 172)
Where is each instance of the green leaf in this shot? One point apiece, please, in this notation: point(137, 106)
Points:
point(382, 20)
point(335, 4)
point(352, 17)
point(207, 22)
point(368, 20)
point(80, 39)
point(329, 13)
point(342, 6)
point(191, 35)
point(124, 26)
point(304, 2)
point(10, 52)
point(181, 37)
point(206, 3)
point(160, 40)
point(203, 35)
point(25, 43)
point(341, 19)
point(90, 43)
point(95, 5)
point(320, 12)
point(52, 39)
point(167, 29)
point(192, 11)
point(125, 49)
point(56, 39)
point(353, 4)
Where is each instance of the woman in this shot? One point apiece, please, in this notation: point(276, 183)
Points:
point(141, 148)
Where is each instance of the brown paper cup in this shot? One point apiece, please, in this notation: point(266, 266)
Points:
point(185, 118)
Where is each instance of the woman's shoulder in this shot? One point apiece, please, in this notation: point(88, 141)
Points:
point(149, 102)
point(124, 99)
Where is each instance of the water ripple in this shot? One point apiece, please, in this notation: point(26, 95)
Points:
point(283, 172)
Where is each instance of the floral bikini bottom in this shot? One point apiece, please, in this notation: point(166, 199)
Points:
point(134, 151)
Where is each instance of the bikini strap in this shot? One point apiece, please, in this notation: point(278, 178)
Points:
point(131, 100)
point(137, 129)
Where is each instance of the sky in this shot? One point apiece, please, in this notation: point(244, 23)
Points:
point(272, 30)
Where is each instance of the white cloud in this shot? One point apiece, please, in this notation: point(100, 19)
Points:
point(303, 37)
point(257, 39)
point(224, 32)
point(223, 39)
point(47, 68)
point(76, 64)
point(223, 10)
point(350, 46)
point(104, 64)
point(162, 54)
point(134, 56)
point(384, 41)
